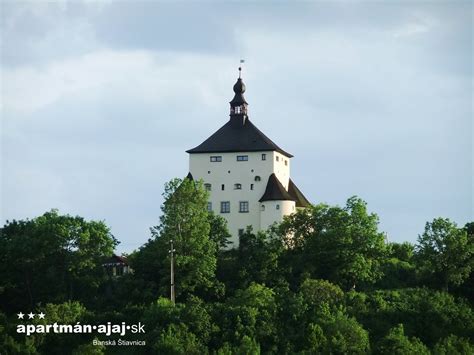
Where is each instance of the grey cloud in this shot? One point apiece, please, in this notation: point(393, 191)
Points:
point(368, 106)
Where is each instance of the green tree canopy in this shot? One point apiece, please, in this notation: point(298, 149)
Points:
point(445, 252)
point(397, 343)
point(342, 245)
point(184, 221)
point(52, 258)
point(454, 345)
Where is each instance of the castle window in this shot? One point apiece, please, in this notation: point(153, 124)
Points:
point(263, 207)
point(209, 206)
point(237, 109)
point(257, 178)
point(207, 187)
point(242, 157)
point(277, 207)
point(243, 206)
point(251, 186)
point(264, 157)
point(286, 162)
point(237, 186)
point(277, 158)
point(208, 171)
point(216, 158)
point(222, 187)
point(225, 207)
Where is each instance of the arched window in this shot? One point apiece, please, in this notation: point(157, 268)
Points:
point(237, 186)
point(257, 178)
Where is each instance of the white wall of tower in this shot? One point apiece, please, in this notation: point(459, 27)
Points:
point(274, 211)
point(229, 172)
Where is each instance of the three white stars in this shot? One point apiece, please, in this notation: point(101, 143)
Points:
point(30, 315)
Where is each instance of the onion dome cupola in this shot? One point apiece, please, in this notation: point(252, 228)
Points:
point(238, 134)
point(238, 105)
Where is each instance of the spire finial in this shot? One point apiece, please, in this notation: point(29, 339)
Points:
point(240, 67)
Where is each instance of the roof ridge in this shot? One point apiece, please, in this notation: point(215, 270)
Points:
point(275, 191)
point(238, 138)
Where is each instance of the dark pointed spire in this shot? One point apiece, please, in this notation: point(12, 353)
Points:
point(238, 105)
point(275, 191)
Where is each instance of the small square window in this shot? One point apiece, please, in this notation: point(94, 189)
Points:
point(216, 158)
point(286, 162)
point(207, 187)
point(242, 157)
point(209, 206)
point(237, 186)
point(264, 157)
point(243, 206)
point(277, 158)
point(225, 207)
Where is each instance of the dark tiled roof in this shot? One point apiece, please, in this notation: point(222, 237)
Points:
point(116, 259)
point(236, 136)
point(293, 190)
point(275, 191)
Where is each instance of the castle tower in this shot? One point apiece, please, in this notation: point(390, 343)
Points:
point(246, 173)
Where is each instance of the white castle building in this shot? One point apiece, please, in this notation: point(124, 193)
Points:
point(245, 172)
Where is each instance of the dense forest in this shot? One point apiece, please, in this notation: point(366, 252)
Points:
point(326, 280)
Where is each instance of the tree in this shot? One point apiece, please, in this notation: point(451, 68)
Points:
point(184, 221)
point(257, 258)
point(219, 233)
point(343, 334)
point(445, 252)
point(247, 346)
point(64, 313)
point(250, 312)
point(427, 314)
point(52, 258)
point(398, 268)
point(453, 345)
point(317, 292)
point(342, 245)
point(397, 343)
point(402, 251)
point(177, 339)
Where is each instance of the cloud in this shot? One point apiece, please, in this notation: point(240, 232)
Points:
point(100, 103)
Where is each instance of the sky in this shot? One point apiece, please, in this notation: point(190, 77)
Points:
point(100, 100)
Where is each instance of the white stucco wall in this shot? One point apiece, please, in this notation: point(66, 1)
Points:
point(230, 172)
point(274, 211)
